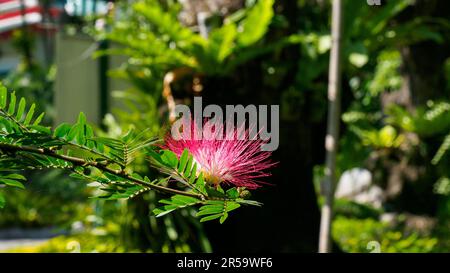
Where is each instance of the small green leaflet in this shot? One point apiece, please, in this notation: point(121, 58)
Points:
point(214, 209)
point(175, 202)
point(19, 115)
point(13, 180)
point(169, 158)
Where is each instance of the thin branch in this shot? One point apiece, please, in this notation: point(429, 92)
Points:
point(175, 175)
point(11, 117)
point(81, 147)
point(25, 129)
point(81, 162)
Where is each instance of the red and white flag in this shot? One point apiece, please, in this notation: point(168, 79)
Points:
point(14, 13)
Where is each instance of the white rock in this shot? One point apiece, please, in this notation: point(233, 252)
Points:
point(356, 185)
point(352, 182)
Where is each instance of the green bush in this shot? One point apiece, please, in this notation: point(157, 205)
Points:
point(51, 199)
point(358, 235)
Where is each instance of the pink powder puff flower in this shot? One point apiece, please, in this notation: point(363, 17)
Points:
point(229, 160)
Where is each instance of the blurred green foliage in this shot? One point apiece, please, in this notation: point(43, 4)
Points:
point(356, 210)
point(356, 235)
point(30, 78)
point(235, 41)
point(377, 134)
point(51, 199)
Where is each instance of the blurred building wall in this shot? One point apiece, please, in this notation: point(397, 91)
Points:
point(9, 58)
point(82, 84)
point(77, 80)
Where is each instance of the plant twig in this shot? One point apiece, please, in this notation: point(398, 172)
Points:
point(81, 162)
point(11, 117)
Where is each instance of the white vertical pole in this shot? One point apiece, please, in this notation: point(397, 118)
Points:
point(332, 137)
